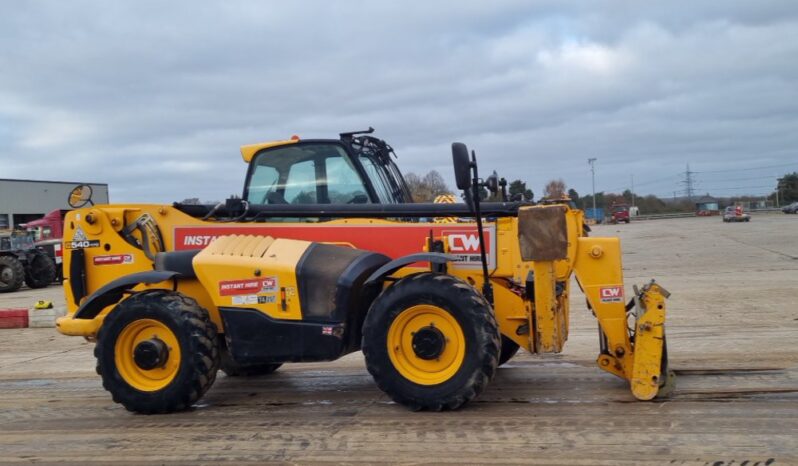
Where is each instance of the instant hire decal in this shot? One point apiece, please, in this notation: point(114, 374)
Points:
point(115, 259)
point(248, 286)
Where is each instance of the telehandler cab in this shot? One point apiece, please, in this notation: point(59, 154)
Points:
point(325, 255)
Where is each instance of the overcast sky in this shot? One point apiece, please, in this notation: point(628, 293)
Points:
point(154, 98)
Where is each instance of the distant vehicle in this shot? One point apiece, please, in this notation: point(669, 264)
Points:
point(735, 214)
point(47, 232)
point(790, 209)
point(48, 227)
point(21, 261)
point(620, 213)
point(596, 215)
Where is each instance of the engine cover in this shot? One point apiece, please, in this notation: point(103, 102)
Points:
point(281, 298)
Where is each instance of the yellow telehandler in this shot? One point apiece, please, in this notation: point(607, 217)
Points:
point(325, 254)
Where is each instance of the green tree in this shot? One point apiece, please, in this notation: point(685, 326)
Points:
point(614, 198)
point(519, 192)
point(574, 196)
point(787, 187)
point(587, 201)
point(627, 196)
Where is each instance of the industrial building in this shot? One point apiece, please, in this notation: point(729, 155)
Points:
point(25, 200)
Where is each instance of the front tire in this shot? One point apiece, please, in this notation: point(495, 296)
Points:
point(431, 342)
point(157, 352)
point(41, 270)
point(12, 274)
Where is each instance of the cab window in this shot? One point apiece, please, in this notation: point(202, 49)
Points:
point(378, 179)
point(305, 174)
point(300, 187)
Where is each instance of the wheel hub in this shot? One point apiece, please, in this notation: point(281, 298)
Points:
point(150, 354)
point(428, 343)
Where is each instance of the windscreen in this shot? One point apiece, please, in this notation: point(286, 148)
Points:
point(305, 174)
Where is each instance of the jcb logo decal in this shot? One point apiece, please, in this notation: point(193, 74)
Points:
point(611, 294)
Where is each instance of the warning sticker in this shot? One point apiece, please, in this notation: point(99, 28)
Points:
point(611, 294)
point(79, 235)
point(245, 299)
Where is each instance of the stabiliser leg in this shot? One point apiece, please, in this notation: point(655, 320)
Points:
point(638, 355)
point(649, 370)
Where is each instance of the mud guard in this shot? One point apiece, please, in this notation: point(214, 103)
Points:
point(396, 264)
point(112, 292)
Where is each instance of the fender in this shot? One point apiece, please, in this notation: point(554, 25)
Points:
point(396, 264)
point(112, 292)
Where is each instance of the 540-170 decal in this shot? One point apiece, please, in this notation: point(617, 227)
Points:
point(393, 240)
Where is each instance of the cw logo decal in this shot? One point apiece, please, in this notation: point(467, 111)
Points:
point(467, 243)
point(611, 294)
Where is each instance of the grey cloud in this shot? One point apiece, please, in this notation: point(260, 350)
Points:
point(155, 98)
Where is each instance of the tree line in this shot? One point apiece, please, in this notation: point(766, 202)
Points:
point(426, 188)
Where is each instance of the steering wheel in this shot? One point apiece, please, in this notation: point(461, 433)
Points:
point(358, 199)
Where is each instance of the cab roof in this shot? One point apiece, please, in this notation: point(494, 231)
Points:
point(249, 151)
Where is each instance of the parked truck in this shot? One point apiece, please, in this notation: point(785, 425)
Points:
point(48, 236)
point(620, 213)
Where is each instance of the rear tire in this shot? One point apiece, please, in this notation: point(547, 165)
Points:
point(12, 273)
point(188, 366)
point(41, 270)
point(431, 342)
point(508, 350)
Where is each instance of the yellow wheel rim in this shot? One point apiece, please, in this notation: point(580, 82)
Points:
point(404, 358)
point(142, 379)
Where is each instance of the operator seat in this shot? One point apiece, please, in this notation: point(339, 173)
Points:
point(177, 261)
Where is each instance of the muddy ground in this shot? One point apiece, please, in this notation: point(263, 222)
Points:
point(732, 338)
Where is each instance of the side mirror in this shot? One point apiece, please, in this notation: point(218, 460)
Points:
point(80, 196)
point(462, 165)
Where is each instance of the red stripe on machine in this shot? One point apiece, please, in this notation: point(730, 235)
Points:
point(393, 240)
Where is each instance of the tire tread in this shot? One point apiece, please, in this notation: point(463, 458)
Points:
point(474, 308)
point(203, 361)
